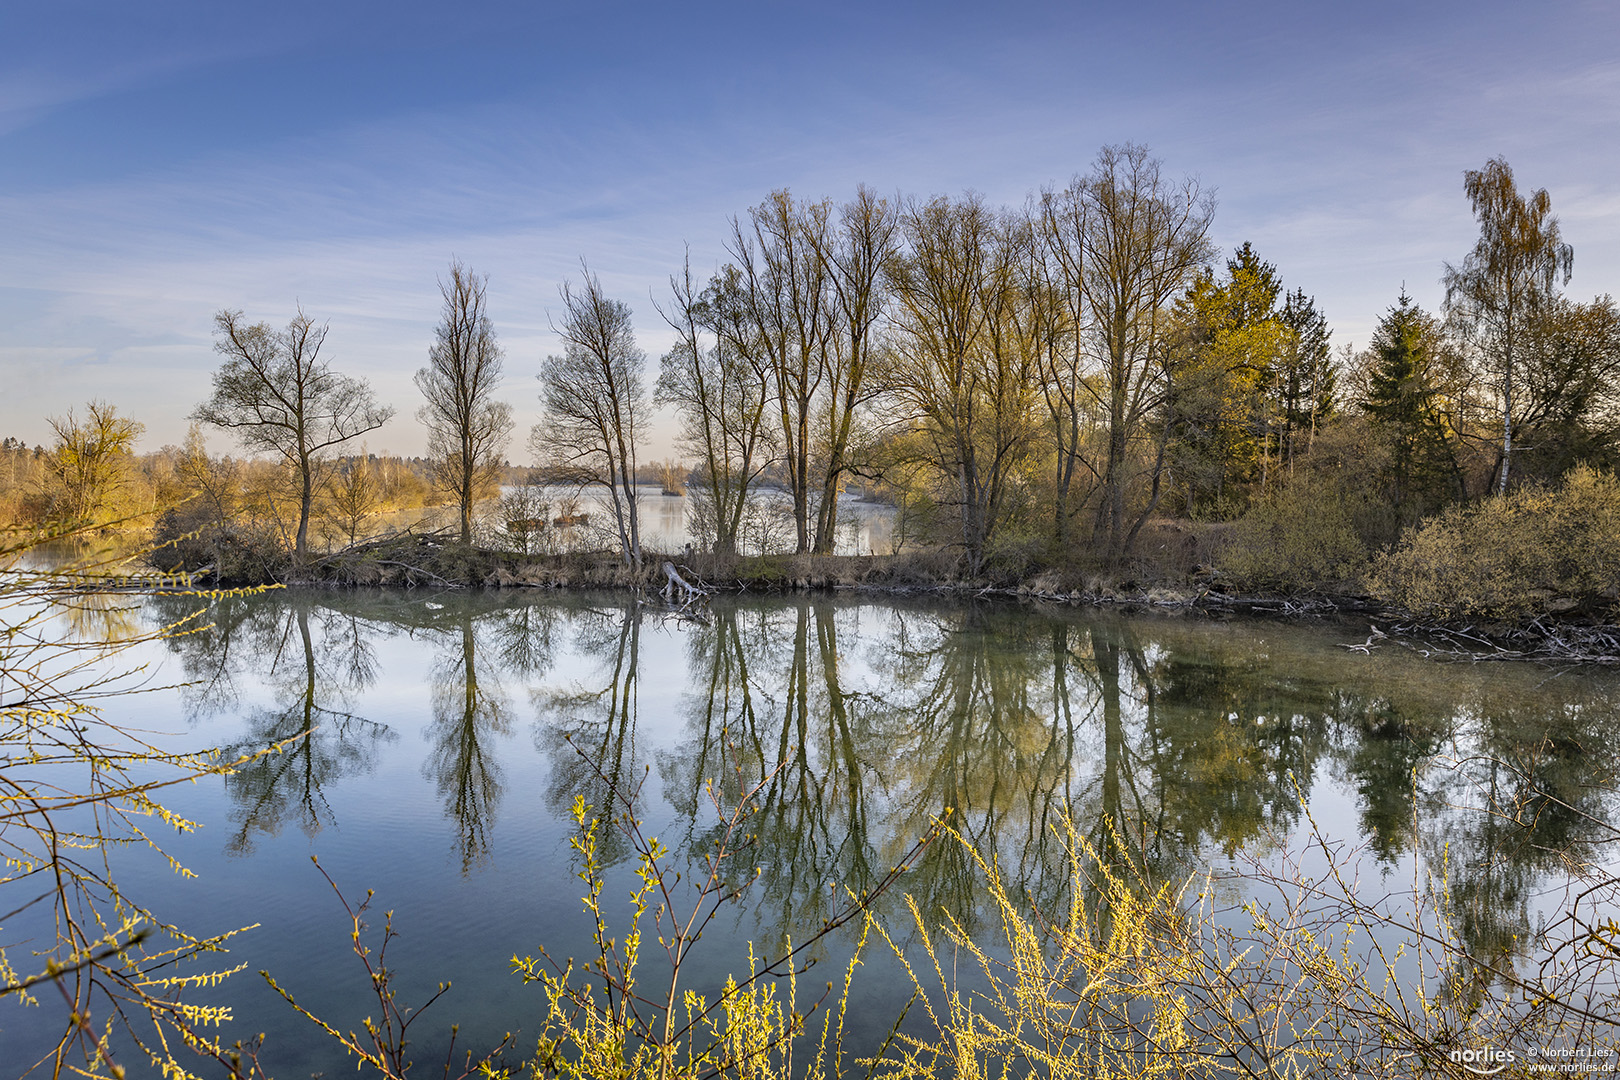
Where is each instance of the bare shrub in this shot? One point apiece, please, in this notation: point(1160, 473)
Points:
point(117, 981)
point(1301, 538)
point(1299, 973)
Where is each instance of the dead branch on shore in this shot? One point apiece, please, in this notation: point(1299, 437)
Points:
point(1536, 641)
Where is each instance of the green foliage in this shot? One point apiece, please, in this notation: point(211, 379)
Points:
point(1407, 403)
point(1300, 539)
point(1219, 416)
point(1531, 552)
point(1306, 376)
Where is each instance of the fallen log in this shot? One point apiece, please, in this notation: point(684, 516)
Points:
point(673, 579)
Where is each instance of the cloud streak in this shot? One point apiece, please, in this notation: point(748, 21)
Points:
point(1337, 146)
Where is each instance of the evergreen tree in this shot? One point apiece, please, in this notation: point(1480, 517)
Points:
point(1404, 389)
point(1220, 416)
point(1306, 377)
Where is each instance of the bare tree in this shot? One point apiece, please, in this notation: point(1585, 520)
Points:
point(856, 256)
point(354, 495)
point(1071, 401)
point(593, 397)
point(787, 287)
point(961, 364)
point(91, 459)
point(1144, 238)
point(214, 482)
point(718, 379)
point(467, 427)
point(277, 394)
point(1510, 276)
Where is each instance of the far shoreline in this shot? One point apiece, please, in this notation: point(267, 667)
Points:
point(411, 561)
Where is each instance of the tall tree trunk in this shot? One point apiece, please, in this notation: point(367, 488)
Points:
point(467, 471)
point(1114, 499)
point(306, 500)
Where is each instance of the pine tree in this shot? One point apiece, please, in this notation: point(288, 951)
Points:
point(1306, 377)
point(1220, 410)
point(1403, 404)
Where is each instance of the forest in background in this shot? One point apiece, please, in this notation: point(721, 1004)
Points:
point(1078, 390)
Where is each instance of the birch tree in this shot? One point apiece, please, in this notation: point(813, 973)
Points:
point(1501, 286)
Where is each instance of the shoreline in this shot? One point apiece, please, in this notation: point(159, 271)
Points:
point(411, 561)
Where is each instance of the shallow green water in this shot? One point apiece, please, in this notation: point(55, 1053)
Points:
point(445, 735)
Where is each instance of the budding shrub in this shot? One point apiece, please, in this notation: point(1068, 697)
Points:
point(1535, 551)
point(1300, 539)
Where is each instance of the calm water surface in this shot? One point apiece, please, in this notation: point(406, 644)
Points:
point(444, 737)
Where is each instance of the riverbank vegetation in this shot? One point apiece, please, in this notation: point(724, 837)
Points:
point(1075, 396)
point(118, 979)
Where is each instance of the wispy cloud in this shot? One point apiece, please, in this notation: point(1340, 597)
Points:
point(1336, 145)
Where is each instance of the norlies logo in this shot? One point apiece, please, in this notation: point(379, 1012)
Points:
point(1486, 1061)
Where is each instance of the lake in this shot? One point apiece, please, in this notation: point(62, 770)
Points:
point(864, 527)
point(443, 736)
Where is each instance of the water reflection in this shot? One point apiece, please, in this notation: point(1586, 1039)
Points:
point(588, 728)
point(318, 659)
point(469, 709)
point(1172, 743)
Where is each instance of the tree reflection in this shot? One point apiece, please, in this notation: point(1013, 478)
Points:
point(978, 743)
point(1235, 747)
point(1532, 796)
point(101, 617)
point(1384, 750)
point(313, 684)
point(771, 709)
point(524, 638)
point(1167, 742)
point(469, 707)
point(589, 730)
point(226, 635)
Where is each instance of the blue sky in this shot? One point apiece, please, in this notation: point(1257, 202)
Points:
point(161, 161)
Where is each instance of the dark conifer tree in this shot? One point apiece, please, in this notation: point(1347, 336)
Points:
point(1402, 403)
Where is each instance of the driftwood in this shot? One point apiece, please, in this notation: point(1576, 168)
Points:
point(1539, 642)
point(673, 580)
point(418, 570)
